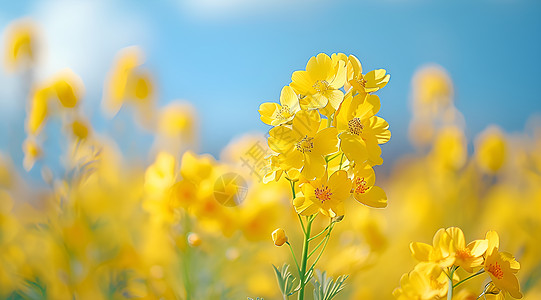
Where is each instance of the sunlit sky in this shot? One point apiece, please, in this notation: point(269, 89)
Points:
point(227, 57)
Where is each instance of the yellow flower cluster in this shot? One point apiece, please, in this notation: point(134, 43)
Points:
point(326, 134)
point(176, 224)
point(437, 273)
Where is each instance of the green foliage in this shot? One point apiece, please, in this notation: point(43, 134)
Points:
point(325, 288)
point(285, 281)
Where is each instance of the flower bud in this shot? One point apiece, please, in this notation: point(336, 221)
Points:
point(194, 240)
point(279, 237)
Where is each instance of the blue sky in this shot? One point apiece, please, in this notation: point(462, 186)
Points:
point(228, 56)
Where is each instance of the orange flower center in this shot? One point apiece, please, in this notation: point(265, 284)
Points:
point(462, 254)
point(323, 194)
point(306, 144)
point(321, 85)
point(496, 270)
point(361, 186)
point(355, 126)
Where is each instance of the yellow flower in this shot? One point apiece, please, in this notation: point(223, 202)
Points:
point(302, 145)
point(68, 88)
point(38, 110)
point(502, 267)
point(426, 281)
point(440, 251)
point(432, 90)
point(276, 114)
point(361, 131)
point(490, 150)
point(79, 129)
point(371, 82)
point(20, 40)
point(326, 195)
point(320, 83)
point(194, 240)
point(449, 149)
point(364, 190)
point(279, 237)
point(275, 169)
point(121, 83)
point(32, 152)
point(160, 176)
point(466, 257)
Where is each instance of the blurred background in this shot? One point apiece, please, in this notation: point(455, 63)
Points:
point(100, 201)
point(227, 57)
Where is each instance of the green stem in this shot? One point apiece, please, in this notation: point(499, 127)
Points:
point(326, 239)
point(329, 120)
point(470, 277)
point(450, 291)
point(322, 232)
point(294, 257)
point(341, 160)
point(305, 257)
point(327, 159)
point(186, 257)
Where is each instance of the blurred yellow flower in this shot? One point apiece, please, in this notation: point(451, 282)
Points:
point(20, 39)
point(432, 90)
point(426, 281)
point(491, 150)
point(68, 88)
point(320, 83)
point(194, 240)
point(449, 149)
point(38, 110)
point(32, 152)
point(125, 81)
point(79, 129)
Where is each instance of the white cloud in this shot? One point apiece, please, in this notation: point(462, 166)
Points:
point(84, 36)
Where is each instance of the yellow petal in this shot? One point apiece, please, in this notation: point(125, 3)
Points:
point(289, 98)
point(374, 197)
point(457, 236)
point(314, 166)
point(306, 123)
point(282, 139)
point(353, 147)
point(420, 251)
point(267, 111)
point(340, 185)
point(379, 128)
point(301, 82)
point(326, 141)
point(335, 97)
point(477, 247)
point(493, 241)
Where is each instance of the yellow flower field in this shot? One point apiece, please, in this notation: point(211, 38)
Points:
point(302, 212)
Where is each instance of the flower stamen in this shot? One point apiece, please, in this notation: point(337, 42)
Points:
point(323, 194)
point(361, 186)
point(355, 126)
point(496, 270)
point(321, 86)
point(305, 145)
